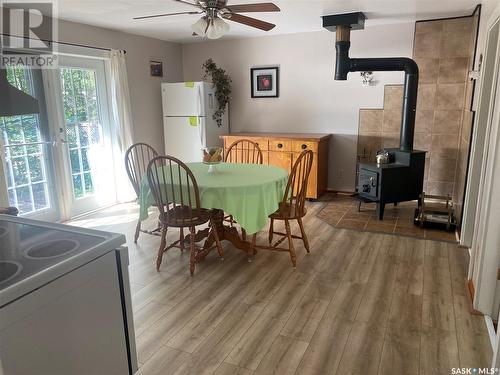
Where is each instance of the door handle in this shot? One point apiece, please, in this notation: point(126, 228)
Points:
point(61, 139)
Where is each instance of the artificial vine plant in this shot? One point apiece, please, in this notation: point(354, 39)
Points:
point(222, 83)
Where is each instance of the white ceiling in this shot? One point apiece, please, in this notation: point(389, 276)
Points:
point(295, 16)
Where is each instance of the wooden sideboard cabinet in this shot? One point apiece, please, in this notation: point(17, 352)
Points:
point(282, 149)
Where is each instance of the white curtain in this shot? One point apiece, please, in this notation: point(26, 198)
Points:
point(4, 198)
point(122, 116)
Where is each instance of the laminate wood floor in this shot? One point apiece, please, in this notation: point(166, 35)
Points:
point(360, 303)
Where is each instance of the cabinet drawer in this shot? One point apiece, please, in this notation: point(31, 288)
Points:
point(299, 146)
point(280, 145)
point(263, 143)
point(228, 141)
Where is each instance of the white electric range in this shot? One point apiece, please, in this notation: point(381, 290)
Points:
point(65, 304)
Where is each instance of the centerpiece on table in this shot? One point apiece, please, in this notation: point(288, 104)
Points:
point(212, 156)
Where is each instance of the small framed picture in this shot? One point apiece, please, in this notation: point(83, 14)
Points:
point(265, 82)
point(156, 68)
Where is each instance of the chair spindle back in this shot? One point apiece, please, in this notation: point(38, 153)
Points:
point(296, 188)
point(137, 159)
point(175, 190)
point(244, 151)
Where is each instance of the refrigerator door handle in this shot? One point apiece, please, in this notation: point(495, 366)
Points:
point(198, 103)
point(201, 123)
point(202, 132)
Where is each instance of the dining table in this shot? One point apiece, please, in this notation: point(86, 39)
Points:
point(247, 192)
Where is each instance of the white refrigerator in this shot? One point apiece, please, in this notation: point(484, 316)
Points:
point(188, 123)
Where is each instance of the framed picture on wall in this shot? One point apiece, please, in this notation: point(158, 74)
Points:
point(156, 68)
point(265, 82)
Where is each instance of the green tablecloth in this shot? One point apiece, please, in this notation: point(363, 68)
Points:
point(249, 192)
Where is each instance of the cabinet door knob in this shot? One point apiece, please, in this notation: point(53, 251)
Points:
point(280, 145)
point(304, 146)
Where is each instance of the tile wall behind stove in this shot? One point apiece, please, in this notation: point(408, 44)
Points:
point(443, 50)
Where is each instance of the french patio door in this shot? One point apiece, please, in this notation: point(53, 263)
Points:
point(59, 163)
point(84, 136)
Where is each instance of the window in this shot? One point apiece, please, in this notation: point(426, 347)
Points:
point(24, 152)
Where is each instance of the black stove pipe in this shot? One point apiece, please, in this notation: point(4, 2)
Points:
point(344, 65)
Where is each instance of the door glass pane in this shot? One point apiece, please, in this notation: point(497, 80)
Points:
point(83, 127)
point(24, 152)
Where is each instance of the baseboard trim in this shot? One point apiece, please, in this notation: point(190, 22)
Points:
point(469, 285)
point(340, 191)
point(490, 325)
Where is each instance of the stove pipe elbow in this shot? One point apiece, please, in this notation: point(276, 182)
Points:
point(342, 67)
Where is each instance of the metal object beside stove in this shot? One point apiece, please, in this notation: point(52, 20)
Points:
point(382, 157)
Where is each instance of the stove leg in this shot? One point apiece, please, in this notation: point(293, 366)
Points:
point(380, 210)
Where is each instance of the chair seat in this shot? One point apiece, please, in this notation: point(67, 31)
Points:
point(287, 211)
point(182, 217)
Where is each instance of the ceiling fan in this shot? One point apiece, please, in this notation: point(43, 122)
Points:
point(212, 24)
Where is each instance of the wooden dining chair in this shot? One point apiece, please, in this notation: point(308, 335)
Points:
point(244, 151)
point(137, 159)
point(176, 193)
point(292, 207)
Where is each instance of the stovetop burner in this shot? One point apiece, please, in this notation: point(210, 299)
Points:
point(51, 249)
point(34, 253)
point(36, 247)
point(8, 270)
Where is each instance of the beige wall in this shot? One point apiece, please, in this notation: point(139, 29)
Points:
point(310, 99)
point(145, 90)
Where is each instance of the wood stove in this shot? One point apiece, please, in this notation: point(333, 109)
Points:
point(398, 181)
point(402, 178)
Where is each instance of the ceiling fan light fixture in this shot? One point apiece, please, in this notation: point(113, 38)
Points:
point(200, 26)
point(215, 12)
point(217, 28)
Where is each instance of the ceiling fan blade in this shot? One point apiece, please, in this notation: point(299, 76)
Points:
point(165, 15)
point(249, 21)
point(187, 3)
point(261, 7)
